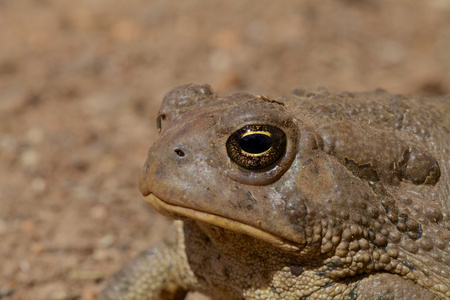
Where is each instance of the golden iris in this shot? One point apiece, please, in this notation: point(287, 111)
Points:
point(256, 147)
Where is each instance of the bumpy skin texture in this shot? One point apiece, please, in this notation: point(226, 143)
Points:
point(357, 207)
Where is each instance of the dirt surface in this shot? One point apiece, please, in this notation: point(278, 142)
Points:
point(80, 86)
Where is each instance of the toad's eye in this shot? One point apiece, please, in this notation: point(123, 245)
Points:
point(256, 147)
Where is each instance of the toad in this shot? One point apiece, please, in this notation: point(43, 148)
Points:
point(313, 195)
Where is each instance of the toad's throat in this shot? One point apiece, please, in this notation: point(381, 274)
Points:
point(236, 226)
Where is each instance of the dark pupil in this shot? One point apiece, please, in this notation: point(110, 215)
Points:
point(255, 143)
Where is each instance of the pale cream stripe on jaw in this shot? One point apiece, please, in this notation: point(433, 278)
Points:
point(216, 220)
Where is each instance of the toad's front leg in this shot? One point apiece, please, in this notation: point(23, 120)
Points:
point(154, 274)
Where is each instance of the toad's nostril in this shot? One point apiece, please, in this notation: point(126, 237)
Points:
point(179, 152)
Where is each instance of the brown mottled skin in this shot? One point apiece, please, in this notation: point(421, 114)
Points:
point(356, 206)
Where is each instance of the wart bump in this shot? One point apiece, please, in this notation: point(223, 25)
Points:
point(296, 270)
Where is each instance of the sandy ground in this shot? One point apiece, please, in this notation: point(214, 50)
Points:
point(80, 86)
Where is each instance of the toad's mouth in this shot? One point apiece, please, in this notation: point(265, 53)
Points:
point(233, 225)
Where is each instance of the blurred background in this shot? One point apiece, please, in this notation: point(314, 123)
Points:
point(80, 86)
